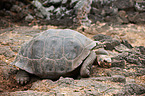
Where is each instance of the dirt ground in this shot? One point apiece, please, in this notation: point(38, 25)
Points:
point(133, 33)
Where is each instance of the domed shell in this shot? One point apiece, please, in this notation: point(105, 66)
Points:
point(53, 52)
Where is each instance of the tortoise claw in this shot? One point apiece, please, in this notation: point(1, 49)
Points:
point(22, 77)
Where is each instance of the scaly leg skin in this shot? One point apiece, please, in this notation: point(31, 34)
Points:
point(86, 66)
point(22, 77)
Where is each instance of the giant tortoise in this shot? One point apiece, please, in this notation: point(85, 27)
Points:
point(54, 53)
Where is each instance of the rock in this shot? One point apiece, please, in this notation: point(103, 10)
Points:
point(82, 9)
point(101, 37)
point(2, 63)
point(142, 49)
point(29, 18)
point(132, 58)
point(27, 93)
point(102, 87)
point(100, 3)
point(15, 48)
point(60, 12)
point(110, 44)
point(71, 87)
point(6, 52)
point(128, 80)
point(42, 9)
point(140, 5)
point(132, 16)
point(140, 18)
point(21, 12)
point(102, 78)
point(43, 85)
point(16, 8)
point(118, 78)
point(124, 72)
point(122, 48)
point(118, 62)
point(123, 17)
point(50, 9)
point(95, 11)
point(139, 71)
point(127, 44)
point(65, 80)
point(7, 71)
point(136, 17)
point(73, 2)
point(64, 1)
point(133, 71)
point(113, 19)
point(109, 11)
point(38, 14)
point(123, 4)
point(133, 89)
point(55, 1)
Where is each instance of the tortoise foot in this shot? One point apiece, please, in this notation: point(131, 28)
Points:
point(22, 77)
point(87, 64)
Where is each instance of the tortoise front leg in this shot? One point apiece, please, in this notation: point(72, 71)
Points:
point(87, 64)
point(22, 77)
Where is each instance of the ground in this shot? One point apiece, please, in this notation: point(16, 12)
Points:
point(12, 37)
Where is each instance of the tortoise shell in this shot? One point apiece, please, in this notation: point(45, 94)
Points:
point(54, 52)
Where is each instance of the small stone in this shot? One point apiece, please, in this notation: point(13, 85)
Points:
point(110, 44)
point(15, 48)
point(127, 44)
point(118, 78)
point(137, 17)
point(140, 5)
point(118, 63)
point(101, 37)
point(29, 18)
point(6, 52)
point(16, 8)
point(64, 1)
point(50, 9)
point(122, 48)
point(101, 78)
point(122, 13)
point(55, 1)
point(132, 58)
point(42, 9)
point(74, 1)
point(123, 4)
point(43, 85)
point(130, 81)
point(132, 88)
point(65, 80)
point(82, 9)
point(142, 49)
point(123, 17)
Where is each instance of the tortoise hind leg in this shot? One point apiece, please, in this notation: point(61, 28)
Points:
point(22, 77)
point(87, 64)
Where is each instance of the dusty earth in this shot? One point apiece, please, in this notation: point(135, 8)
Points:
point(11, 39)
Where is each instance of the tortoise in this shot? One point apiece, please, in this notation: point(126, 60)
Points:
point(54, 53)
